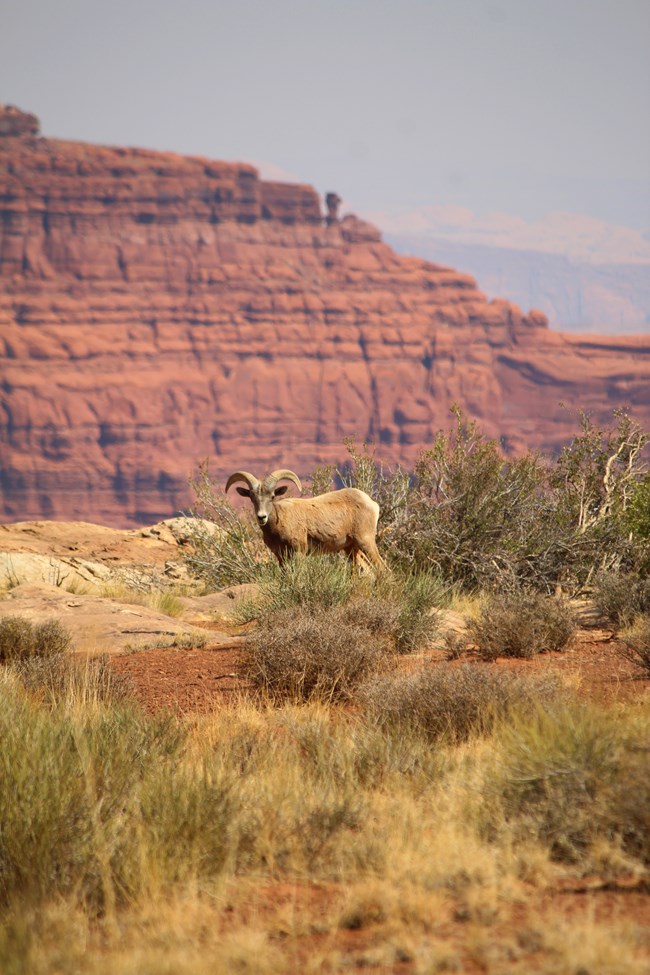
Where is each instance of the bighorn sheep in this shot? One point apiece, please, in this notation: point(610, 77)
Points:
point(339, 521)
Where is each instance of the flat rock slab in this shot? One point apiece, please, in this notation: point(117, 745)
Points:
point(17, 568)
point(78, 554)
point(155, 544)
point(103, 625)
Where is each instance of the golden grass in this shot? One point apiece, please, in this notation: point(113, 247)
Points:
point(164, 602)
point(338, 845)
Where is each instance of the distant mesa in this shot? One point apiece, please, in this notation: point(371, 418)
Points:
point(14, 122)
point(157, 309)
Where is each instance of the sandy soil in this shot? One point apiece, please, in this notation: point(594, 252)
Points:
point(200, 680)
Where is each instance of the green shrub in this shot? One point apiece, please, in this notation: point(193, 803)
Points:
point(483, 520)
point(521, 624)
point(400, 608)
point(304, 653)
point(21, 639)
point(445, 700)
point(620, 596)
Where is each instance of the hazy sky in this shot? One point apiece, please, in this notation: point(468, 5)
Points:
point(519, 106)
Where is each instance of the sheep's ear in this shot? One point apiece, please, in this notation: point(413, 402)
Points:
point(280, 491)
point(245, 493)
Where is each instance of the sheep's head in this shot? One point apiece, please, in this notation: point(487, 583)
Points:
point(263, 493)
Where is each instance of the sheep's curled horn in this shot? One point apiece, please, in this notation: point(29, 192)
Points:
point(269, 481)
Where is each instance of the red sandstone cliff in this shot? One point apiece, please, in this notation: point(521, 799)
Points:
point(156, 309)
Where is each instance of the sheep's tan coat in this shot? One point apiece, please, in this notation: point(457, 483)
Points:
point(339, 521)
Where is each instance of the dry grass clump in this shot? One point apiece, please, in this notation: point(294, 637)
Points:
point(161, 601)
point(401, 607)
point(455, 702)
point(621, 596)
point(636, 644)
point(521, 624)
point(21, 639)
point(64, 678)
point(97, 804)
point(320, 581)
point(575, 776)
point(303, 654)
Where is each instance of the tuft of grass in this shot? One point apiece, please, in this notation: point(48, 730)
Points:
point(97, 804)
point(180, 641)
point(73, 680)
point(315, 582)
point(21, 639)
point(167, 603)
point(636, 644)
point(521, 624)
point(573, 776)
point(162, 601)
point(454, 702)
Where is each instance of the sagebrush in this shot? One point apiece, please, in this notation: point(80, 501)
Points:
point(521, 623)
point(21, 639)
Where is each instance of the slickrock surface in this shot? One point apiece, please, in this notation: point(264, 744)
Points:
point(157, 309)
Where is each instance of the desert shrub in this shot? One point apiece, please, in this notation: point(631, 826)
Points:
point(225, 546)
point(521, 623)
point(600, 490)
point(568, 777)
point(470, 509)
point(304, 653)
point(635, 644)
point(20, 639)
point(620, 596)
point(445, 700)
point(487, 521)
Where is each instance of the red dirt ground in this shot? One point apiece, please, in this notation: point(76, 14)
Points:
point(201, 680)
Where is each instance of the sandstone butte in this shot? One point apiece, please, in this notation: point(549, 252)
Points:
point(157, 309)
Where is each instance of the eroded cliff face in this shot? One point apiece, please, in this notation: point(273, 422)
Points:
point(157, 309)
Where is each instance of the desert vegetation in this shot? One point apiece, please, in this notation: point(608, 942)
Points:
point(362, 802)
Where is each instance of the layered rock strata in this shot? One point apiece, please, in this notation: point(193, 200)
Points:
point(158, 309)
